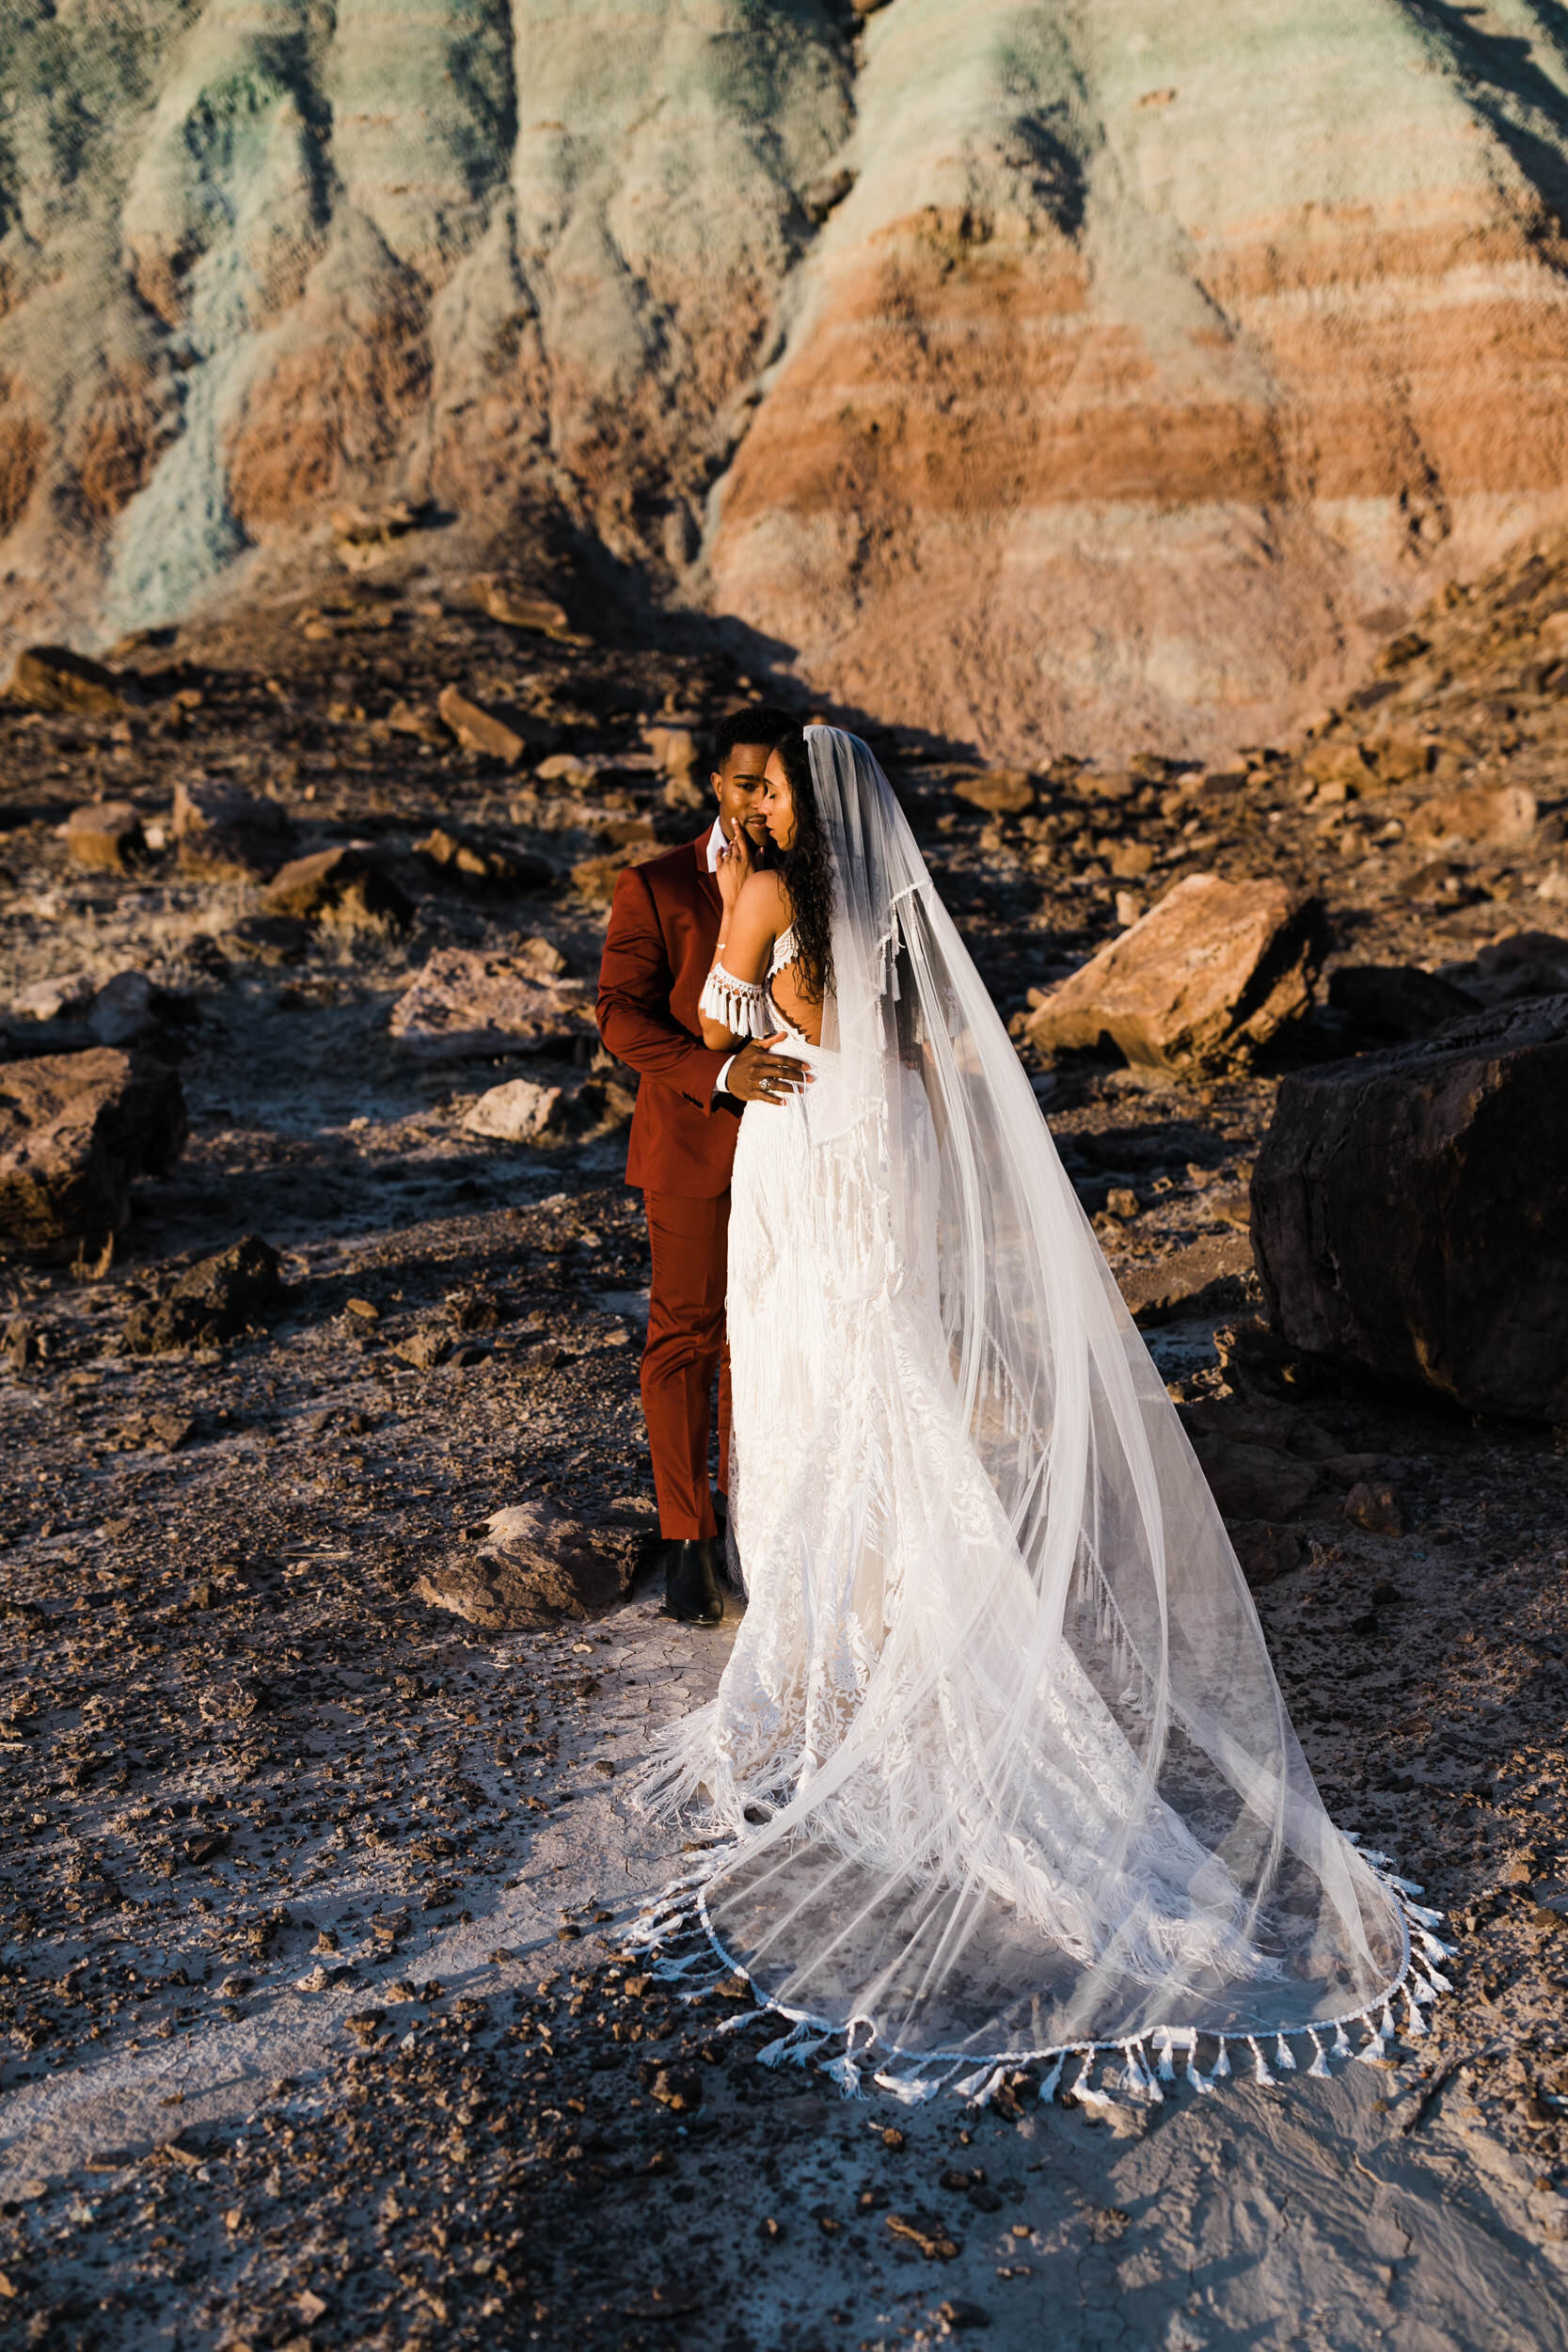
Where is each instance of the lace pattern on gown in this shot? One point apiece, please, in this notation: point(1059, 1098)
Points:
point(998, 1768)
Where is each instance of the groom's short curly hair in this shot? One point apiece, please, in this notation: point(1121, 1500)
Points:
point(762, 723)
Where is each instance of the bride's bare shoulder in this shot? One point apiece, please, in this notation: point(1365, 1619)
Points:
point(766, 898)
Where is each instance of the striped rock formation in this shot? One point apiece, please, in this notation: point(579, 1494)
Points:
point(1055, 377)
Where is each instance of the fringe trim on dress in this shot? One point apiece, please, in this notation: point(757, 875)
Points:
point(684, 1947)
point(744, 1007)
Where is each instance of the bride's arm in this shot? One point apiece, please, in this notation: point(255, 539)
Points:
point(733, 1004)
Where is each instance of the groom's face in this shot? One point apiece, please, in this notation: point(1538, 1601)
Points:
point(738, 787)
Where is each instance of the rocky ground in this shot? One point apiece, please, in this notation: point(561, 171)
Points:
point(322, 2023)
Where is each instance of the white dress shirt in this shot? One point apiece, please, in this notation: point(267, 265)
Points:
point(714, 843)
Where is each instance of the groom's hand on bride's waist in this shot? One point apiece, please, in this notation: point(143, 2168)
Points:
point(757, 1076)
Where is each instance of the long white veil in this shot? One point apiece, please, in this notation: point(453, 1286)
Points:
point(1063, 1805)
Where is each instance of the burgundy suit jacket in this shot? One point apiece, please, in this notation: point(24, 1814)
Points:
point(663, 929)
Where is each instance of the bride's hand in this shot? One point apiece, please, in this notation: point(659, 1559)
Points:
point(736, 862)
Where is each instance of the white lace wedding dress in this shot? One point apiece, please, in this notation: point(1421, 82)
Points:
point(998, 1765)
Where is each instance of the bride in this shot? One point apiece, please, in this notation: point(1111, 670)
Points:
point(998, 1768)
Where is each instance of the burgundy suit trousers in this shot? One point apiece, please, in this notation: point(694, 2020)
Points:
point(686, 1351)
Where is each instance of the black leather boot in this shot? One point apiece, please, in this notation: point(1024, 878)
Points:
point(691, 1587)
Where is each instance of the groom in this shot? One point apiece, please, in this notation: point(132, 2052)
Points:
point(663, 929)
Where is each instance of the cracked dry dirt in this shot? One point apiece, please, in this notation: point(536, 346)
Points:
point(320, 2024)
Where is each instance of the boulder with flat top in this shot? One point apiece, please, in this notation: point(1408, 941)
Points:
point(1410, 1211)
point(1197, 986)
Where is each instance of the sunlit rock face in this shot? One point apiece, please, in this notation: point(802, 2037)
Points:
point(259, 258)
point(1053, 377)
point(1156, 360)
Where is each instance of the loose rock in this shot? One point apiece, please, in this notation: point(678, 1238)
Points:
point(477, 864)
point(1526, 963)
point(565, 767)
point(47, 1000)
point(674, 749)
point(466, 1002)
point(521, 1111)
point(74, 1130)
point(424, 1350)
point(221, 1297)
point(1002, 791)
point(1337, 763)
point(130, 1008)
point(19, 1343)
point(535, 1567)
point(959, 2313)
point(486, 733)
point(223, 834)
point(1265, 1553)
point(1205, 1276)
point(1254, 1482)
point(517, 605)
point(1196, 987)
point(270, 938)
point(518, 1112)
point(1374, 1505)
point(541, 953)
point(1506, 815)
point(347, 888)
point(105, 834)
point(927, 2234)
point(1401, 757)
point(595, 877)
point(680, 2088)
point(53, 677)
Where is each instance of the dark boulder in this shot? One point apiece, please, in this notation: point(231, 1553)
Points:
point(1396, 1000)
point(74, 1130)
point(1524, 964)
point(1410, 1211)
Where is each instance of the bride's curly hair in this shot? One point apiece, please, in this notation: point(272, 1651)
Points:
point(807, 874)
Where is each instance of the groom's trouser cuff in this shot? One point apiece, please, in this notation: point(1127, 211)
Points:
point(683, 1354)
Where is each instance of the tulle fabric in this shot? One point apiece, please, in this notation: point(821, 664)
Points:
point(999, 1760)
